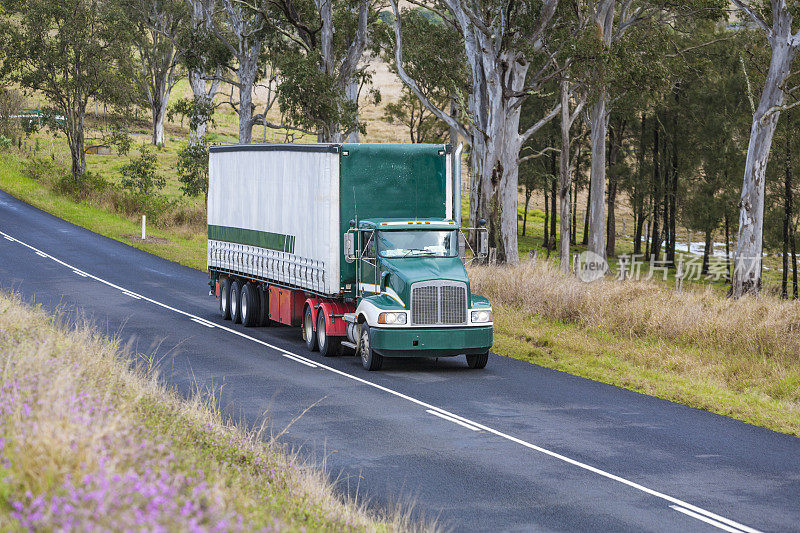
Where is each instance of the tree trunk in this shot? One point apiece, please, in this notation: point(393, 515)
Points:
point(546, 239)
point(203, 96)
point(749, 245)
point(553, 195)
point(728, 245)
point(598, 177)
point(565, 180)
point(528, 192)
point(673, 193)
point(647, 240)
point(794, 264)
point(573, 235)
point(706, 251)
point(655, 247)
point(76, 140)
point(159, 109)
point(787, 215)
point(587, 215)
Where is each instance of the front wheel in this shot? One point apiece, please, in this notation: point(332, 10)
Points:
point(478, 361)
point(369, 358)
point(309, 335)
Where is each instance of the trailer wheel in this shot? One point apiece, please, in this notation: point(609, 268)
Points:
point(478, 361)
point(369, 358)
point(225, 298)
point(309, 335)
point(328, 346)
point(249, 303)
point(236, 309)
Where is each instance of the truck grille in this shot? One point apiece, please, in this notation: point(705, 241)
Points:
point(437, 302)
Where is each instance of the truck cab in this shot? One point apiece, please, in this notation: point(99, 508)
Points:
point(413, 297)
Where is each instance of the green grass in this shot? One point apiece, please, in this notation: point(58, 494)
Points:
point(185, 247)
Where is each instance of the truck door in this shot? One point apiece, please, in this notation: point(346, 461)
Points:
point(368, 280)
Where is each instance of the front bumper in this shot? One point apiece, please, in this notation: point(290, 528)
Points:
point(431, 342)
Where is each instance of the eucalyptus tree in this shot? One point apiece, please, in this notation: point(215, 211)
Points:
point(71, 52)
point(157, 27)
point(784, 46)
point(510, 57)
point(319, 59)
point(206, 59)
point(244, 30)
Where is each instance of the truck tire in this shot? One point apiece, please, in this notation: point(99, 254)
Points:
point(236, 309)
point(309, 335)
point(225, 298)
point(478, 361)
point(250, 305)
point(328, 346)
point(369, 358)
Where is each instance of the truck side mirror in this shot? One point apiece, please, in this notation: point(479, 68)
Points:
point(483, 243)
point(349, 247)
point(462, 245)
point(384, 277)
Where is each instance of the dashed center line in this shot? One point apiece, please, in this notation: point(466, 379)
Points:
point(683, 507)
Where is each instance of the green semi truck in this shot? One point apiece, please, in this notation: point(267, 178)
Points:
point(360, 245)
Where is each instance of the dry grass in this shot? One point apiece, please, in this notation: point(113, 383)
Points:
point(739, 358)
point(90, 439)
point(762, 327)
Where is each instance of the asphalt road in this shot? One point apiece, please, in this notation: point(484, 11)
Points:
point(512, 447)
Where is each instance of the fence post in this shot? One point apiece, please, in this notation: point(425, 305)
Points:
point(144, 227)
point(492, 256)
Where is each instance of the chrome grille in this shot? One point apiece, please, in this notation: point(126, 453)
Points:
point(424, 308)
point(438, 302)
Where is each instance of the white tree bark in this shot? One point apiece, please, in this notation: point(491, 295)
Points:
point(244, 37)
point(158, 25)
point(749, 246)
point(565, 172)
point(203, 94)
point(342, 69)
point(599, 127)
point(498, 88)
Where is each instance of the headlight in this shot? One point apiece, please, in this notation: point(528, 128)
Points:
point(482, 316)
point(392, 318)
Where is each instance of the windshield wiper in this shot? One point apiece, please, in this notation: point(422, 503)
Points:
point(422, 251)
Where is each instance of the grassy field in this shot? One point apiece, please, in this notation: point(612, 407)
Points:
point(90, 440)
point(739, 358)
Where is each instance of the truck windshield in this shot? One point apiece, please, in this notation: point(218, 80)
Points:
point(418, 243)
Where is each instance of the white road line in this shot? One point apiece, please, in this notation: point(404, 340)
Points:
point(705, 519)
point(132, 295)
point(40, 254)
point(203, 323)
point(6, 237)
point(451, 419)
point(555, 455)
point(81, 274)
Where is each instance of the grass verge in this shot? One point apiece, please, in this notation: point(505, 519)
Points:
point(184, 245)
point(736, 358)
point(90, 440)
